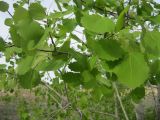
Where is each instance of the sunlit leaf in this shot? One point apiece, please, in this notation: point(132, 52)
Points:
point(97, 24)
point(133, 71)
point(37, 11)
point(25, 65)
point(106, 49)
point(151, 43)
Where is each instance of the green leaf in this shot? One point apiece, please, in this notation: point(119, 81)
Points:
point(155, 19)
point(36, 11)
point(25, 65)
point(31, 35)
point(68, 25)
point(30, 79)
point(78, 4)
point(106, 49)
point(151, 43)
point(10, 51)
point(147, 9)
point(155, 67)
point(50, 65)
point(2, 44)
point(2, 66)
point(92, 62)
point(75, 66)
point(21, 14)
point(64, 1)
point(3, 6)
point(133, 71)
point(32, 31)
point(9, 21)
point(121, 19)
point(97, 24)
point(72, 78)
point(103, 81)
point(128, 40)
point(137, 94)
point(87, 76)
point(60, 14)
point(16, 39)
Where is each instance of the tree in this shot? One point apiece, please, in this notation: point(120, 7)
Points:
point(120, 51)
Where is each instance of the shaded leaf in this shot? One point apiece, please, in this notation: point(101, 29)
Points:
point(2, 44)
point(30, 79)
point(3, 6)
point(137, 94)
point(121, 19)
point(9, 21)
point(72, 78)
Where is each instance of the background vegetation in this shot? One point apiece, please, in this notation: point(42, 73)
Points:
point(101, 58)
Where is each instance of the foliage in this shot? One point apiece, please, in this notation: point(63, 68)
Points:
point(119, 47)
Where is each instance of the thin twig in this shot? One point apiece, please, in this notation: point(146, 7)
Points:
point(58, 5)
point(45, 50)
point(55, 100)
point(28, 2)
point(80, 113)
point(55, 48)
point(51, 51)
point(53, 90)
point(120, 101)
point(10, 14)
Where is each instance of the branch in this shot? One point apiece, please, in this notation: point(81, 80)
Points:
point(45, 50)
point(80, 113)
point(10, 14)
point(28, 2)
point(55, 100)
point(52, 90)
point(55, 49)
point(58, 5)
point(52, 51)
point(120, 101)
